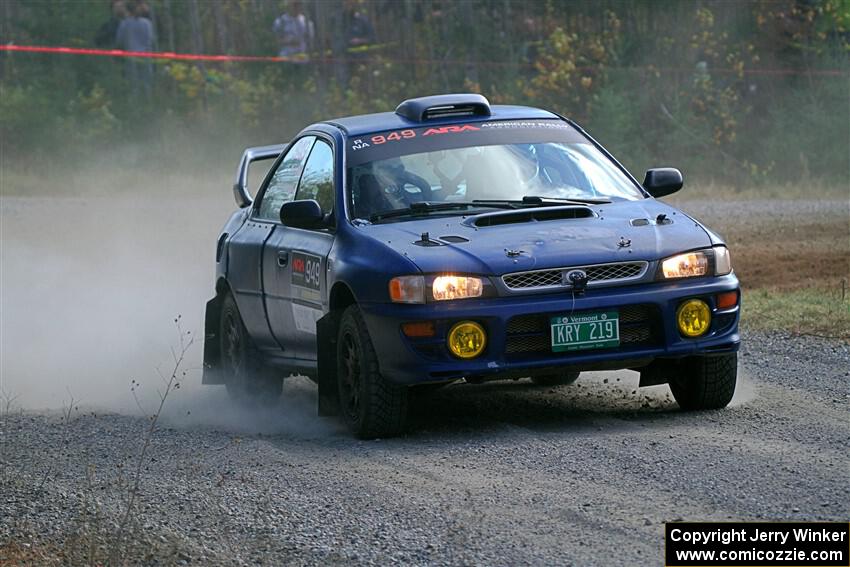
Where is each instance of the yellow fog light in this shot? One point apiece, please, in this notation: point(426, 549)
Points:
point(694, 317)
point(467, 339)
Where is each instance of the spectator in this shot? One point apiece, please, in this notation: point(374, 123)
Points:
point(294, 32)
point(135, 33)
point(106, 36)
point(144, 10)
point(359, 30)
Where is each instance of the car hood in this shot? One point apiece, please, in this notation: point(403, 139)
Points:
point(622, 231)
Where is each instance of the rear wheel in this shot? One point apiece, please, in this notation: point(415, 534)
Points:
point(705, 382)
point(564, 379)
point(247, 378)
point(372, 406)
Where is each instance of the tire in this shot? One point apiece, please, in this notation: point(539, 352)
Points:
point(372, 406)
point(705, 382)
point(564, 379)
point(248, 379)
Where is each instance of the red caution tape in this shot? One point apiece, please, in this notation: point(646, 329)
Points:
point(148, 54)
point(277, 59)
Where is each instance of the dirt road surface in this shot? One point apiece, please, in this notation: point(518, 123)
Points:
point(498, 474)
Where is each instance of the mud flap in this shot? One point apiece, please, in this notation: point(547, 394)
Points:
point(326, 331)
point(660, 371)
point(212, 356)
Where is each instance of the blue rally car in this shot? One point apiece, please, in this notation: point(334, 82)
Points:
point(457, 240)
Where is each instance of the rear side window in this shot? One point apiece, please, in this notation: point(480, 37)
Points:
point(281, 187)
point(317, 182)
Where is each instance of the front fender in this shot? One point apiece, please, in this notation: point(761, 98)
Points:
point(234, 222)
point(367, 265)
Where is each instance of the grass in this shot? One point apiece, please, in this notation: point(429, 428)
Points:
point(16, 553)
point(819, 312)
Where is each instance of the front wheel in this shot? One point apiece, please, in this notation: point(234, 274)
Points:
point(372, 406)
point(247, 378)
point(705, 382)
point(564, 379)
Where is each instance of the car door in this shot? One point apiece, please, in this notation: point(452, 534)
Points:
point(279, 188)
point(244, 249)
point(301, 282)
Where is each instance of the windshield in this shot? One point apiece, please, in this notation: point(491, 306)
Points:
point(535, 161)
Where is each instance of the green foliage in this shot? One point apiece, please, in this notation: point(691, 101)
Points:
point(18, 105)
point(89, 117)
point(572, 66)
point(811, 132)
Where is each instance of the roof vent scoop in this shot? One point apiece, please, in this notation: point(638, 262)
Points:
point(529, 215)
point(443, 106)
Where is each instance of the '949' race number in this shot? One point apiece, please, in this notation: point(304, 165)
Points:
point(306, 271)
point(393, 136)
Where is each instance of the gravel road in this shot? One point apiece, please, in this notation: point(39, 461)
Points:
point(496, 474)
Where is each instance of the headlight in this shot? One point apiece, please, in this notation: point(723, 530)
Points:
point(456, 287)
point(407, 289)
point(711, 261)
point(687, 265)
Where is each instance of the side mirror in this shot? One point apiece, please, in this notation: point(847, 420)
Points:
point(662, 181)
point(302, 214)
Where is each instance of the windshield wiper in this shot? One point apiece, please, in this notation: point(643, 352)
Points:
point(538, 200)
point(425, 207)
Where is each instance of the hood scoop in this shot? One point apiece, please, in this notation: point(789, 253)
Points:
point(426, 240)
point(530, 215)
point(660, 220)
point(454, 239)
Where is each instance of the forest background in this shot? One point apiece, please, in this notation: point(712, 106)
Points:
point(739, 93)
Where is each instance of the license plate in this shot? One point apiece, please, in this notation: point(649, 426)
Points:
point(585, 331)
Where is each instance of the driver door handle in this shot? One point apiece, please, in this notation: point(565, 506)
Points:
point(282, 258)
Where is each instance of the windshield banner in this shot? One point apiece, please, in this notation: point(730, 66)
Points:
point(407, 141)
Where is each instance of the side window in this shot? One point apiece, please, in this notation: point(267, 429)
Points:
point(317, 182)
point(281, 187)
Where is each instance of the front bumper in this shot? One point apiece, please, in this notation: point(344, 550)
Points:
point(413, 361)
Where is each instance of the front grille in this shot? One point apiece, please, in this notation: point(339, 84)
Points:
point(640, 325)
point(527, 343)
point(600, 273)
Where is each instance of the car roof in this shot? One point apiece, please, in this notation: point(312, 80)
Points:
point(368, 123)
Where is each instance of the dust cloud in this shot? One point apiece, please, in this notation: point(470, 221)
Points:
point(294, 415)
point(90, 286)
point(745, 390)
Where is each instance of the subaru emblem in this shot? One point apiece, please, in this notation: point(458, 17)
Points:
point(573, 277)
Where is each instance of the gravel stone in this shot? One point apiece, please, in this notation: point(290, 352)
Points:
point(499, 474)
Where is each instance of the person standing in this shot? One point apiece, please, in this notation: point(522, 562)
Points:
point(359, 30)
point(107, 33)
point(294, 32)
point(135, 33)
